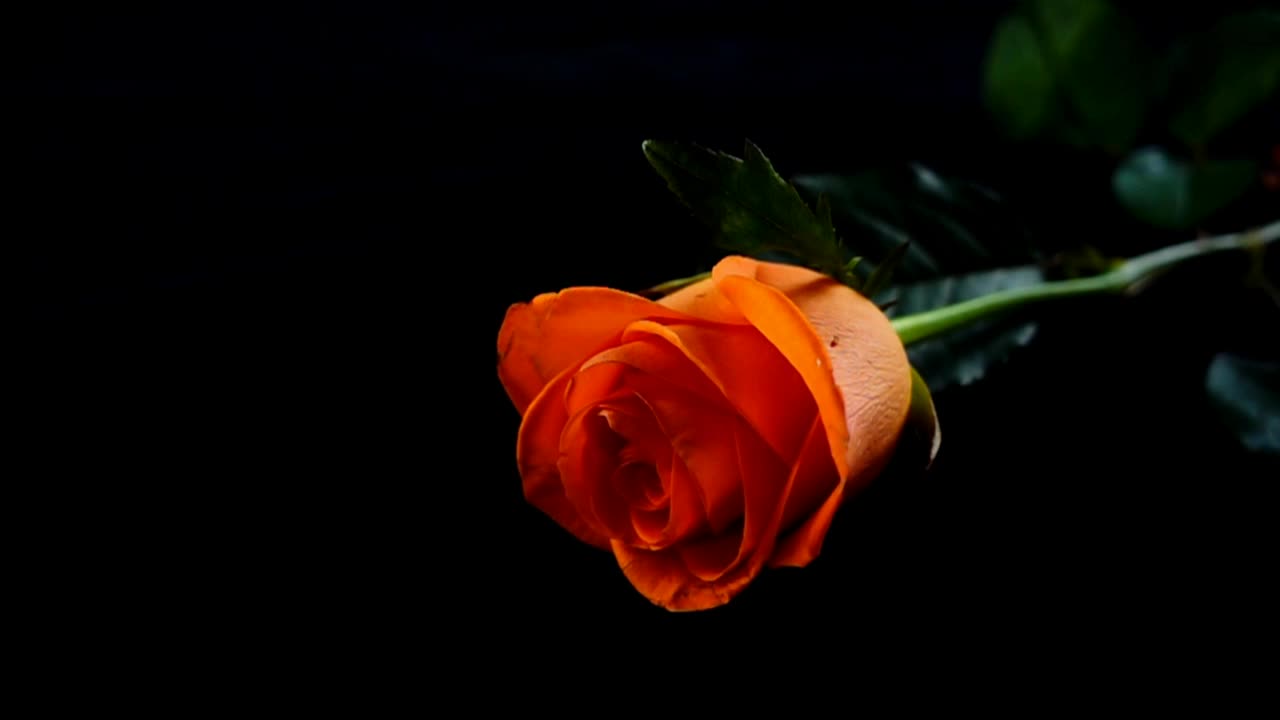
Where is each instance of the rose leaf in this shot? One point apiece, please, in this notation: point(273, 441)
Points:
point(964, 355)
point(1246, 394)
point(1170, 193)
point(751, 208)
point(952, 225)
point(1072, 68)
point(1221, 75)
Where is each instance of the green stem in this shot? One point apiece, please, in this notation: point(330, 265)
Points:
point(922, 326)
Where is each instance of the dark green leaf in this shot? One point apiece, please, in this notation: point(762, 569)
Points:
point(1247, 394)
point(964, 355)
point(948, 204)
point(953, 226)
point(1222, 75)
point(1018, 85)
point(1172, 194)
point(1100, 64)
point(749, 206)
point(824, 211)
point(1075, 69)
point(870, 215)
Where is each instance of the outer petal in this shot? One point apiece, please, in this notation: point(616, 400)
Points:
point(842, 344)
point(540, 339)
point(703, 300)
point(800, 546)
point(866, 362)
point(917, 445)
point(665, 581)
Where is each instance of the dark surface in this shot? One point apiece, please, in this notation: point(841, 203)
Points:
point(269, 260)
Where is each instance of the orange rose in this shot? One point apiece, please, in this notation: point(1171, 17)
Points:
point(704, 436)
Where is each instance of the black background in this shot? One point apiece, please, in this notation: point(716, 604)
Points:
point(270, 253)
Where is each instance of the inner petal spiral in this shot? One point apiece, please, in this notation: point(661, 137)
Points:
point(640, 484)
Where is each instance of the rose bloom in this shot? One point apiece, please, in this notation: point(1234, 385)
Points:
point(709, 434)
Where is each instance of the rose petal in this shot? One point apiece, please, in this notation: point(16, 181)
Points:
point(702, 300)
point(705, 440)
point(588, 458)
point(765, 487)
point(584, 475)
point(845, 349)
point(801, 545)
point(645, 442)
point(663, 578)
point(691, 412)
point(682, 518)
point(540, 339)
point(708, 560)
point(651, 526)
point(646, 356)
point(786, 327)
point(869, 362)
point(751, 375)
point(688, 516)
point(641, 486)
point(538, 455)
point(668, 579)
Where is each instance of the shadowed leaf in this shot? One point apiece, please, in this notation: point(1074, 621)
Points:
point(1018, 84)
point(1247, 395)
point(1075, 69)
point(883, 274)
point(1173, 194)
point(922, 418)
point(965, 354)
point(953, 226)
point(752, 209)
point(1220, 76)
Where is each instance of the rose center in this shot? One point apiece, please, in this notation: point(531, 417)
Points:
point(638, 447)
point(640, 484)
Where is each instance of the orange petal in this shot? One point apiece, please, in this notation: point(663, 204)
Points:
point(710, 559)
point(584, 476)
point(645, 443)
point(687, 515)
point(538, 455)
point(703, 300)
point(839, 341)
point(649, 357)
point(869, 362)
point(813, 507)
point(785, 326)
point(677, 578)
point(699, 426)
point(539, 339)
point(765, 484)
point(850, 339)
point(662, 578)
point(588, 461)
point(705, 440)
point(751, 375)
